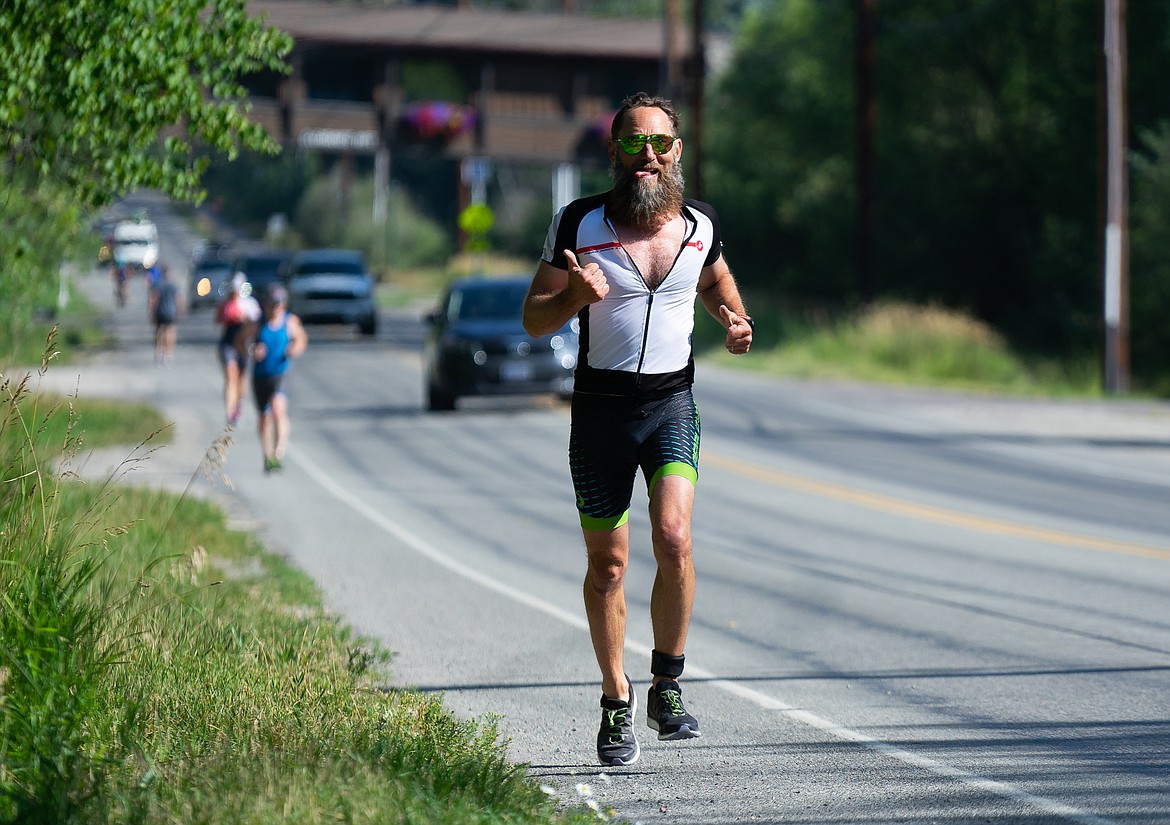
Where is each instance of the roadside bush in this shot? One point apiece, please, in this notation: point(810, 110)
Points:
point(898, 343)
point(252, 187)
point(930, 343)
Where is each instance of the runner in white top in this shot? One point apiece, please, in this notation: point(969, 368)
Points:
point(629, 264)
point(639, 328)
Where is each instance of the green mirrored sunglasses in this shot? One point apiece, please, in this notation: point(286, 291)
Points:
point(634, 144)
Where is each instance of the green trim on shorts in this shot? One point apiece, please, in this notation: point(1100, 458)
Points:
point(609, 523)
point(673, 468)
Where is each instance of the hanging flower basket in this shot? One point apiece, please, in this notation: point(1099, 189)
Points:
point(436, 120)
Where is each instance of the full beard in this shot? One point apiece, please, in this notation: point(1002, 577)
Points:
point(634, 202)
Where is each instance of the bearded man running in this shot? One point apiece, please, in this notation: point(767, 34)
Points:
point(629, 263)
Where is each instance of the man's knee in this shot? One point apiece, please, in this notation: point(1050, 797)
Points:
point(672, 538)
point(673, 551)
point(607, 568)
point(605, 576)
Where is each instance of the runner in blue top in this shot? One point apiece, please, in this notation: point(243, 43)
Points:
point(629, 264)
point(276, 340)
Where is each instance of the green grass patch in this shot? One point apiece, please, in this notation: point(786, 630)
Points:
point(156, 666)
point(900, 343)
point(96, 422)
point(77, 329)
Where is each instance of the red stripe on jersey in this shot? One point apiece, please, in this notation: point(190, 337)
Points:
point(599, 247)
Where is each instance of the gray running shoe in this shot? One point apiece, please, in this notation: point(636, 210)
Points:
point(665, 712)
point(616, 744)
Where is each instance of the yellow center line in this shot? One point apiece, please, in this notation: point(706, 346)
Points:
point(938, 515)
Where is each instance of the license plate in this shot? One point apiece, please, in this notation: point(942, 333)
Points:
point(514, 372)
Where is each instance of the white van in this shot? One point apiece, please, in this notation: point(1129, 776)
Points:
point(136, 244)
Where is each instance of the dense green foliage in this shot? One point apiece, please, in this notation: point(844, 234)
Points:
point(98, 97)
point(252, 187)
point(102, 96)
point(32, 221)
point(988, 177)
point(1150, 257)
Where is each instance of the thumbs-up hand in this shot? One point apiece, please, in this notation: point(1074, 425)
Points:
point(586, 283)
point(739, 331)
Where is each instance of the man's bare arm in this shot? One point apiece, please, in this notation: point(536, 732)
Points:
point(720, 296)
point(556, 295)
point(298, 338)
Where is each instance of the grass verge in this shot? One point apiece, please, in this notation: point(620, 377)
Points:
point(156, 666)
point(897, 343)
point(77, 329)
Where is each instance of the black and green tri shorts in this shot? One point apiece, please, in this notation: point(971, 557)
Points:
point(612, 436)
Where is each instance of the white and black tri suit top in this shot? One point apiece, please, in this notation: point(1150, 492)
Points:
point(636, 341)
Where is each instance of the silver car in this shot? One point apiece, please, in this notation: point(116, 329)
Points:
point(332, 286)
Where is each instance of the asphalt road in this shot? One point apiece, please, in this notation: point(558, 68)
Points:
point(913, 606)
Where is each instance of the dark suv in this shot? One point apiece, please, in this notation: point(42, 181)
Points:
point(476, 345)
point(332, 286)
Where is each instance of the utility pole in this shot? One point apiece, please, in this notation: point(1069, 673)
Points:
point(1116, 298)
point(865, 124)
point(672, 49)
point(698, 78)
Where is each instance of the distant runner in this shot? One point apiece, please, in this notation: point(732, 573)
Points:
point(236, 311)
point(165, 303)
point(275, 341)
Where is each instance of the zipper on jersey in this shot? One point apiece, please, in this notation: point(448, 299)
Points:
point(693, 227)
point(645, 339)
point(649, 300)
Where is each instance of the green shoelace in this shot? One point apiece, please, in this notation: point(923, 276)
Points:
point(614, 720)
point(673, 701)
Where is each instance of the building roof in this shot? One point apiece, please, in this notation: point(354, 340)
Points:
point(445, 27)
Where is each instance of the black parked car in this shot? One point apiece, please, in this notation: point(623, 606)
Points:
point(476, 345)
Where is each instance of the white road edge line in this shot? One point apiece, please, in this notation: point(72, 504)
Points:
point(761, 700)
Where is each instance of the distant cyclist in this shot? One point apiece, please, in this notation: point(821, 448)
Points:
point(278, 338)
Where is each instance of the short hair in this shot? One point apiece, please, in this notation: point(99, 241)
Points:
point(642, 100)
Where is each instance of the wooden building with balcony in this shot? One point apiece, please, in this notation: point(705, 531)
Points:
point(507, 86)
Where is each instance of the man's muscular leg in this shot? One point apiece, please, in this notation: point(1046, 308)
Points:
point(674, 585)
point(605, 604)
